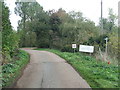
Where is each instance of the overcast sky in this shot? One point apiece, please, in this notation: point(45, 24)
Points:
point(89, 8)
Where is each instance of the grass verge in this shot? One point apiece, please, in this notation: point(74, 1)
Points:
point(98, 74)
point(12, 70)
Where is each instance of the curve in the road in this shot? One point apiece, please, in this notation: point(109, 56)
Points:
point(47, 70)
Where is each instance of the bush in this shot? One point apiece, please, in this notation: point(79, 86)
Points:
point(43, 45)
point(10, 37)
point(12, 70)
point(67, 48)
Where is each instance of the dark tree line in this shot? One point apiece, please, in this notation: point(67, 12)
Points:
point(59, 29)
point(56, 29)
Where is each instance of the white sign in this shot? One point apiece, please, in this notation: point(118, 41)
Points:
point(85, 48)
point(74, 46)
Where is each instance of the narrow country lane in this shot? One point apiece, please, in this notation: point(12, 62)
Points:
point(47, 70)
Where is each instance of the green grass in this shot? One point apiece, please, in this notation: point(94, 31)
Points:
point(98, 74)
point(12, 70)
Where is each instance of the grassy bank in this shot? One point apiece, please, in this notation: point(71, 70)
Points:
point(98, 74)
point(12, 70)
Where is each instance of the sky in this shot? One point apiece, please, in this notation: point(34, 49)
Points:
point(91, 9)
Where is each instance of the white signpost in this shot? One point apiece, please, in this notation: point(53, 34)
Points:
point(86, 48)
point(74, 46)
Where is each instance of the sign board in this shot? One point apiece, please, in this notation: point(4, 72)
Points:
point(85, 48)
point(74, 46)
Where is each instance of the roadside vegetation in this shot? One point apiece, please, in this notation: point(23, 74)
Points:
point(98, 74)
point(11, 71)
point(13, 59)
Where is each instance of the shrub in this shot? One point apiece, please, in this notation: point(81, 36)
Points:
point(11, 71)
point(67, 48)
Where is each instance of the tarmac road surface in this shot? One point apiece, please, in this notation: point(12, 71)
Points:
point(47, 70)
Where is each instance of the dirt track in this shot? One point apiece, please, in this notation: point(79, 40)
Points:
point(47, 70)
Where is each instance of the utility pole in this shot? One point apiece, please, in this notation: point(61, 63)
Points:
point(101, 17)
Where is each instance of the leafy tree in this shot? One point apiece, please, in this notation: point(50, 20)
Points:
point(37, 22)
point(112, 17)
point(10, 39)
point(109, 23)
point(55, 22)
point(113, 44)
point(21, 10)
